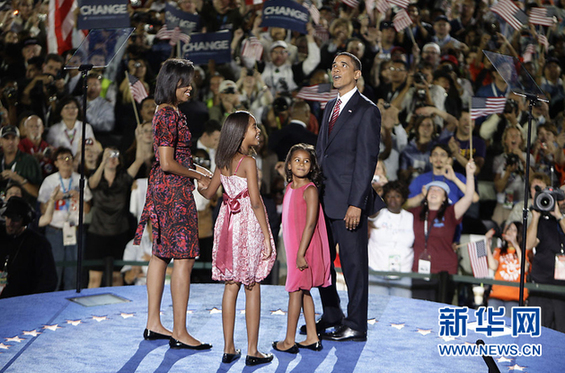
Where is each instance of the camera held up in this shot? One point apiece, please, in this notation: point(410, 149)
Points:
point(545, 200)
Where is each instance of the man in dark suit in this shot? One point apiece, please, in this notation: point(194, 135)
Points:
point(347, 150)
point(294, 132)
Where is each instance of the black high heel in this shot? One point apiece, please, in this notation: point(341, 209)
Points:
point(149, 335)
point(173, 343)
point(253, 360)
point(317, 346)
point(229, 358)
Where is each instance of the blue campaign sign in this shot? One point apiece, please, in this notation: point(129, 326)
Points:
point(210, 46)
point(103, 14)
point(286, 14)
point(174, 17)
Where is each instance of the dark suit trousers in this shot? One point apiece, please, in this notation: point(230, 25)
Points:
point(353, 254)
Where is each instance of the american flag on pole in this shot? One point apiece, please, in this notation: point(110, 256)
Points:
point(321, 33)
point(314, 12)
point(539, 16)
point(351, 3)
point(137, 89)
point(382, 6)
point(252, 48)
point(400, 3)
point(320, 92)
point(478, 257)
point(510, 12)
point(401, 20)
point(174, 35)
point(61, 25)
point(530, 51)
point(481, 106)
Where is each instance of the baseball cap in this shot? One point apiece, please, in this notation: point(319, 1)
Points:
point(441, 18)
point(450, 58)
point(18, 207)
point(440, 184)
point(552, 60)
point(228, 85)
point(29, 41)
point(277, 44)
point(9, 130)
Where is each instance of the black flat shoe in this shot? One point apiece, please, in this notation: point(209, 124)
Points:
point(317, 346)
point(149, 335)
point(229, 358)
point(321, 326)
point(253, 360)
point(173, 343)
point(292, 350)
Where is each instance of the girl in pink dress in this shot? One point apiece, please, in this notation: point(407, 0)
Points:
point(306, 244)
point(243, 251)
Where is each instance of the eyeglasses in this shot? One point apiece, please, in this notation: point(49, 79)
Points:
point(67, 158)
point(392, 68)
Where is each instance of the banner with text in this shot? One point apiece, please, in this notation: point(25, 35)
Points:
point(103, 14)
point(174, 17)
point(286, 14)
point(210, 46)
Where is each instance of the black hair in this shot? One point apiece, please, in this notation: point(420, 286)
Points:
point(441, 146)
point(315, 174)
point(356, 62)
point(212, 126)
point(175, 73)
point(440, 211)
point(397, 186)
point(231, 137)
point(61, 150)
point(54, 57)
point(57, 117)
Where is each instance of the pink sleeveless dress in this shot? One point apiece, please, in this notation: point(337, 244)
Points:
point(318, 253)
point(237, 254)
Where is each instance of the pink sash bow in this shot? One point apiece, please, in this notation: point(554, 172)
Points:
point(224, 256)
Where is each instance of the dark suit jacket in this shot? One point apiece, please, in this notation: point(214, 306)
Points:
point(348, 157)
point(293, 133)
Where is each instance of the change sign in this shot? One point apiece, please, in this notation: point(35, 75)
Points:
point(286, 14)
point(174, 17)
point(103, 14)
point(210, 46)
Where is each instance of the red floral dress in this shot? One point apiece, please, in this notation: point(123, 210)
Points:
point(169, 203)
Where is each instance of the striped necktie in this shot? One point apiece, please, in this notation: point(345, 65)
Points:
point(335, 114)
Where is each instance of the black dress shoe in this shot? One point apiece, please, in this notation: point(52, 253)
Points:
point(316, 346)
point(345, 333)
point(149, 335)
point(173, 343)
point(292, 350)
point(321, 326)
point(253, 360)
point(228, 358)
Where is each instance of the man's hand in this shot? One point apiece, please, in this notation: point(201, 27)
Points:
point(352, 217)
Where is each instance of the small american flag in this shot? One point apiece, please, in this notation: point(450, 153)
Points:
point(401, 20)
point(321, 33)
point(252, 48)
point(481, 106)
point(351, 3)
point(510, 12)
point(539, 16)
point(320, 92)
point(253, 2)
point(382, 6)
point(478, 257)
point(137, 89)
point(400, 3)
point(174, 35)
point(314, 12)
point(543, 40)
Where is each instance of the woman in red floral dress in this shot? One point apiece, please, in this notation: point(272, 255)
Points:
point(170, 207)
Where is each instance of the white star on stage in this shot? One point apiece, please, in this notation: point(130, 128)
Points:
point(100, 318)
point(126, 315)
point(4, 347)
point(516, 367)
point(52, 327)
point(242, 312)
point(35, 333)
point(503, 359)
point(74, 322)
point(278, 312)
point(398, 326)
point(215, 310)
point(14, 339)
point(372, 321)
point(424, 331)
point(448, 338)
point(189, 312)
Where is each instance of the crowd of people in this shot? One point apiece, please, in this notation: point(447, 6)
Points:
point(441, 172)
